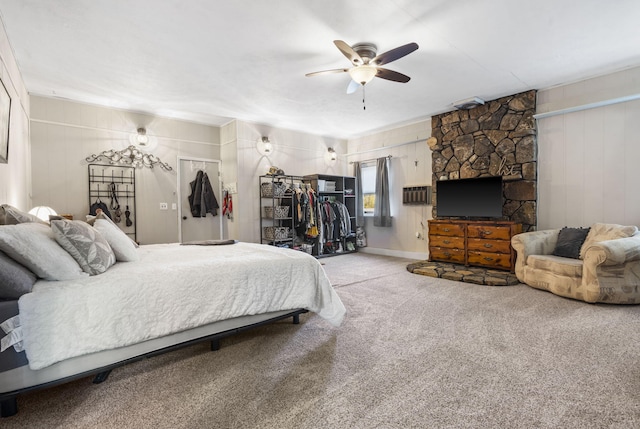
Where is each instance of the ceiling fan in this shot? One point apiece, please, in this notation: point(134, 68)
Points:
point(366, 63)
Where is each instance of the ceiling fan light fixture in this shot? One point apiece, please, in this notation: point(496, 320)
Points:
point(363, 74)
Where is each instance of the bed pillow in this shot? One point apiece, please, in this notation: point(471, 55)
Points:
point(85, 244)
point(91, 219)
point(122, 245)
point(10, 215)
point(32, 245)
point(570, 241)
point(15, 279)
point(606, 231)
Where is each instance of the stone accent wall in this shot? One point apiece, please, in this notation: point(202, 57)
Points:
point(497, 138)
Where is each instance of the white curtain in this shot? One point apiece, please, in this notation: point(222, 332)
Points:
point(382, 207)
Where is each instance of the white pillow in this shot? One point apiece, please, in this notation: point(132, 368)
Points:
point(121, 244)
point(32, 244)
point(85, 243)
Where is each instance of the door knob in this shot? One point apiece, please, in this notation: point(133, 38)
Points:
point(184, 218)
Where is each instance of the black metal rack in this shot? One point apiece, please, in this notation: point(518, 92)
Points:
point(107, 181)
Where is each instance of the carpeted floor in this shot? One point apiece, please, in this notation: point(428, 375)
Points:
point(461, 273)
point(413, 352)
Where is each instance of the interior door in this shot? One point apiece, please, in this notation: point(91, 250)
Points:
point(194, 228)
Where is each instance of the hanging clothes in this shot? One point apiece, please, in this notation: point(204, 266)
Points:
point(202, 199)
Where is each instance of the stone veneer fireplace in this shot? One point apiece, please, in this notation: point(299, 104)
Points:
point(497, 138)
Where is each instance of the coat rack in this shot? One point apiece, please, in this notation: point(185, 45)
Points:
point(116, 187)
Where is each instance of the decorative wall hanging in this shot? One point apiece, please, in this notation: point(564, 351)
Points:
point(130, 156)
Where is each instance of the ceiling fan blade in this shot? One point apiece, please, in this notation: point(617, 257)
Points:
point(327, 72)
point(348, 52)
point(392, 75)
point(353, 86)
point(394, 54)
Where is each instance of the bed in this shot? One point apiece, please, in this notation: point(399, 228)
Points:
point(148, 300)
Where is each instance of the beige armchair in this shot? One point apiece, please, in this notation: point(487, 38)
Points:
point(608, 269)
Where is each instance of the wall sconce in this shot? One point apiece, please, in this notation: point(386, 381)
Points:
point(332, 154)
point(142, 138)
point(264, 146)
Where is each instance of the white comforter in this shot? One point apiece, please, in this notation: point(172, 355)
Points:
point(170, 289)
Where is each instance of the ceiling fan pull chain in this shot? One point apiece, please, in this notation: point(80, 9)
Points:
point(364, 106)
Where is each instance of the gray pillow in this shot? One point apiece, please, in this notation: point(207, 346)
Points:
point(570, 241)
point(32, 245)
point(87, 246)
point(10, 215)
point(15, 279)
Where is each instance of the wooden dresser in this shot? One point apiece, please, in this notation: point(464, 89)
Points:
point(481, 243)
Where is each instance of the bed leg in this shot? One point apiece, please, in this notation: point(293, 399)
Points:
point(215, 345)
point(296, 319)
point(101, 376)
point(9, 406)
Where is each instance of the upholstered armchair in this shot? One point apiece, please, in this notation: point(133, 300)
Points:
point(606, 268)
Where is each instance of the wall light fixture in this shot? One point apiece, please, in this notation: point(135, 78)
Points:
point(264, 146)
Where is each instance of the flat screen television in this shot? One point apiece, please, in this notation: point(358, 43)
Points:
point(480, 197)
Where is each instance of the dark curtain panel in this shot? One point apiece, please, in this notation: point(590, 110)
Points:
point(357, 172)
point(382, 208)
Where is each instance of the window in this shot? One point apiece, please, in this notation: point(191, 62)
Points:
point(368, 187)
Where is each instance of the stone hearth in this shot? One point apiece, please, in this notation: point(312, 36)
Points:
point(476, 275)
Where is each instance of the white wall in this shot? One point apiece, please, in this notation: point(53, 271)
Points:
point(296, 153)
point(588, 161)
point(15, 176)
point(64, 133)
point(400, 239)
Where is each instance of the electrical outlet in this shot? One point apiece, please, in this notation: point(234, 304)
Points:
point(163, 206)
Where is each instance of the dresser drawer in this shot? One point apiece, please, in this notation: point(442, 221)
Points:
point(493, 246)
point(448, 229)
point(446, 241)
point(448, 255)
point(488, 259)
point(491, 232)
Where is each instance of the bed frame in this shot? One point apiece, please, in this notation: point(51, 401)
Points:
point(22, 379)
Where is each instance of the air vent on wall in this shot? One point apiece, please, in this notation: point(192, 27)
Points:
point(416, 195)
point(469, 103)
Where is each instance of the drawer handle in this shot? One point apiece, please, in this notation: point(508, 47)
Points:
point(447, 254)
point(486, 232)
point(446, 242)
point(445, 229)
point(486, 258)
point(488, 245)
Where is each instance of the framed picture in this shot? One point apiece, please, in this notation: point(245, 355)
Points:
point(5, 110)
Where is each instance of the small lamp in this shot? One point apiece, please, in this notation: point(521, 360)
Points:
point(332, 154)
point(43, 212)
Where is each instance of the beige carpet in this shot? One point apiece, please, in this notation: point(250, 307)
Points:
point(413, 352)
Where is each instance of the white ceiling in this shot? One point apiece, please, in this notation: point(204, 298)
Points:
point(210, 61)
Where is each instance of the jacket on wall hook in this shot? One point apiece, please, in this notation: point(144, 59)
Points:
point(202, 199)
point(227, 205)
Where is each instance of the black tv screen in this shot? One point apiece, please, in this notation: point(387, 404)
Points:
point(469, 198)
